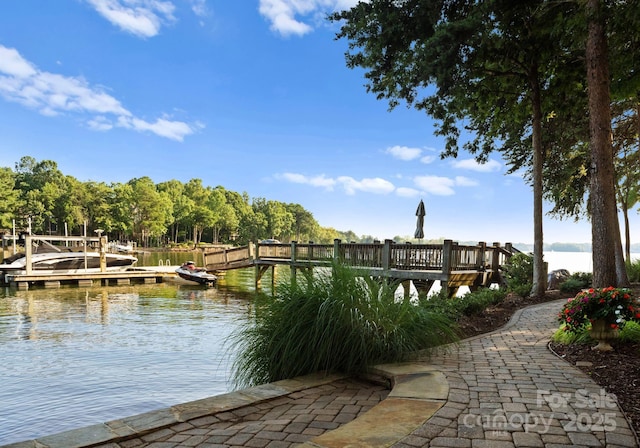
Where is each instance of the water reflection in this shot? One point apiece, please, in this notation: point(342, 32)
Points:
point(74, 356)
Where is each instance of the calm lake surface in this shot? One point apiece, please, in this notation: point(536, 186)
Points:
point(73, 357)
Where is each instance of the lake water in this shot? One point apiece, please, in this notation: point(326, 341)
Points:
point(73, 357)
point(574, 261)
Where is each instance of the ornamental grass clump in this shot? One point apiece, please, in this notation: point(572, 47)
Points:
point(333, 322)
point(615, 305)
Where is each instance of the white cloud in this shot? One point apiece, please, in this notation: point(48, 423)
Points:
point(437, 185)
point(287, 16)
point(100, 123)
point(471, 164)
point(465, 182)
point(12, 64)
point(404, 152)
point(53, 94)
point(374, 185)
point(407, 192)
point(427, 159)
point(199, 7)
point(317, 181)
point(174, 130)
point(351, 186)
point(142, 18)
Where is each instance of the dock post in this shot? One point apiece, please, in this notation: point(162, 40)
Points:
point(386, 255)
point(103, 253)
point(293, 263)
point(480, 264)
point(495, 264)
point(447, 255)
point(336, 251)
point(406, 287)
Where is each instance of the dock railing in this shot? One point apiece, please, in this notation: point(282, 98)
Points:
point(447, 257)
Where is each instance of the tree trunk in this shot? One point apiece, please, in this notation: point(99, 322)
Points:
point(622, 279)
point(602, 196)
point(539, 271)
point(627, 233)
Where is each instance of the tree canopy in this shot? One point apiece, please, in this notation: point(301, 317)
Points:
point(38, 195)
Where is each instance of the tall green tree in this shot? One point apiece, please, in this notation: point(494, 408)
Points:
point(121, 207)
point(42, 184)
point(182, 205)
point(476, 67)
point(9, 198)
point(278, 221)
point(608, 259)
point(201, 215)
point(304, 222)
point(150, 209)
point(96, 200)
point(226, 220)
point(244, 232)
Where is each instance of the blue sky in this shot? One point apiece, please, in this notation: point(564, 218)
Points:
point(253, 95)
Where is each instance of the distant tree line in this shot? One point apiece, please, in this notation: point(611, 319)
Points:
point(38, 195)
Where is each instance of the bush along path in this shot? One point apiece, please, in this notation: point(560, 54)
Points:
point(616, 371)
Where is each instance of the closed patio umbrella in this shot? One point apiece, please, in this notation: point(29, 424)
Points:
point(419, 234)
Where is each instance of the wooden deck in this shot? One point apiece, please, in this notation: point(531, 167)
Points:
point(137, 276)
point(451, 264)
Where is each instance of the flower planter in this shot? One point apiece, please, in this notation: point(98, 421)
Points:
point(602, 331)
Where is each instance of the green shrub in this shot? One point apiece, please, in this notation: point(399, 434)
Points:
point(466, 305)
point(522, 290)
point(572, 286)
point(633, 270)
point(629, 332)
point(518, 273)
point(336, 322)
point(563, 336)
point(577, 282)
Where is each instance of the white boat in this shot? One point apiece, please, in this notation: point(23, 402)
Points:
point(65, 263)
point(190, 272)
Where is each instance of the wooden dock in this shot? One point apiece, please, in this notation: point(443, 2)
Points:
point(136, 276)
point(451, 264)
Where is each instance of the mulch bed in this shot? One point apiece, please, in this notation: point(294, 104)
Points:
point(617, 371)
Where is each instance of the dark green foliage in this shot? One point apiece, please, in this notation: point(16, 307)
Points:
point(577, 282)
point(467, 305)
point(335, 322)
point(518, 273)
point(633, 270)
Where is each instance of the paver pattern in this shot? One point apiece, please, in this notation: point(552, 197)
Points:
point(507, 389)
point(278, 423)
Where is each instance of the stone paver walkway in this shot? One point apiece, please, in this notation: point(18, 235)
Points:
point(507, 389)
point(500, 390)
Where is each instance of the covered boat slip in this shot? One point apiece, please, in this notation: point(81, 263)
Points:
point(55, 260)
point(451, 264)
